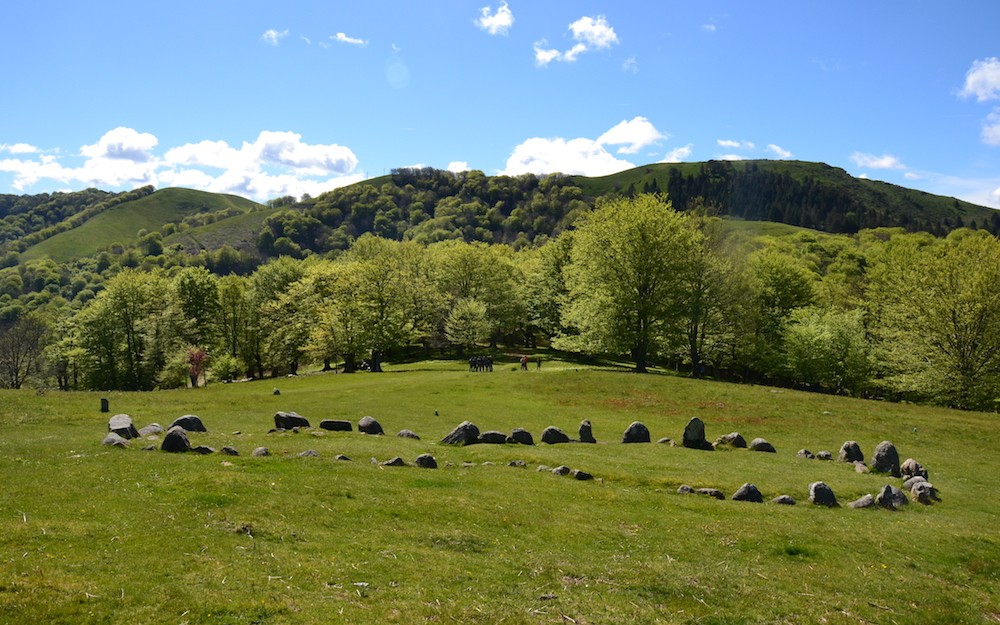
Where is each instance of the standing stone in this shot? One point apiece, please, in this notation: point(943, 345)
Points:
point(850, 451)
point(886, 459)
point(759, 444)
point(290, 420)
point(586, 432)
point(189, 422)
point(522, 437)
point(694, 435)
point(426, 461)
point(891, 497)
point(493, 437)
point(336, 425)
point(105, 407)
point(748, 492)
point(912, 468)
point(733, 439)
point(121, 424)
point(553, 435)
point(368, 425)
point(822, 495)
point(176, 440)
point(465, 434)
point(636, 433)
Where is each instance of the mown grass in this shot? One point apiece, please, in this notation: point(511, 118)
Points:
point(97, 535)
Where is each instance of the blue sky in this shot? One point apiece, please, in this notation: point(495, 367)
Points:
point(264, 99)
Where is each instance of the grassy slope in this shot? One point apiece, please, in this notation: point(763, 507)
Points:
point(121, 223)
point(96, 535)
point(239, 232)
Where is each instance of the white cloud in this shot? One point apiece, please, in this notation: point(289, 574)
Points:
point(886, 161)
point(589, 33)
point(632, 135)
point(630, 66)
point(495, 23)
point(731, 157)
point(912, 176)
point(273, 37)
point(983, 80)
point(306, 39)
point(354, 41)
point(737, 145)
point(778, 151)
point(577, 156)
point(458, 166)
point(991, 128)
point(122, 143)
point(711, 28)
point(677, 155)
point(18, 148)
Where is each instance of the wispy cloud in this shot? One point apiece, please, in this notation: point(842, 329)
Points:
point(354, 41)
point(778, 151)
point(590, 33)
point(273, 37)
point(737, 145)
point(871, 161)
point(630, 66)
point(678, 155)
point(495, 23)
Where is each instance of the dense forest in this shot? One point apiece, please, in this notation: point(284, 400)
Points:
point(438, 263)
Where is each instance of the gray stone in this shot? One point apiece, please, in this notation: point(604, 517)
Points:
point(395, 462)
point(204, 450)
point(336, 425)
point(426, 461)
point(583, 476)
point(309, 453)
point(784, 500)
point(912, 481)
point(121, 424)
point(759, 444)
point(522, 437)
point(748, 492)
point(343, 458)
point(710, 492)
point(822, 495)
point(850, 451)
point(805, 453)
point(553, 435)
point(492, 437)
point(562, 470)
point(684, 489)
point(824, 455)
point(276, 391)
point(891, 497)
point(229, 451)
point(911, 468)
point(586, 432)
point(925, 493)
point(543, 468)
point(260, 452)
point(408, 434)
point(368, 425)
point(636, 432)
point(518, 464)
point(861, 467)
point(694, 435)
point(666, 440)
point(865, 501)
point(733, 439)
point(151, 430)
point(176, 440)
point(190, 423)
point(465, 434)
point(289, 420)
point(886, 459)
point(113, 439)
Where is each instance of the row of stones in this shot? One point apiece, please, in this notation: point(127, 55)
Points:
point(821, 494)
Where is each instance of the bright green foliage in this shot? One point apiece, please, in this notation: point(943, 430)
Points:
point(198, 297)
point(467, 323)
point(829, 349)
point(631, 259)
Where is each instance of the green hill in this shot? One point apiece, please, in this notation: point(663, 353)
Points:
point(121, 223)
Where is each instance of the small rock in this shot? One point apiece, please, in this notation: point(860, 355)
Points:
point(203, 450)
point(586, 432)
point(519, 464)
point(368, 425)
point(805, 453)
point(465, 434)
point(784, 500)
point(925, 493)
point(113, 439)
point(190, 422)
point(276, 392)
point(824, 455)
point(151, 430)
point(229, 451)
point(865, 501)
point(426, 461)
point(408, 434)
point(553, 435)
point(289, 420)
point(492, 437)
point(710, 492)
point(260, 452)
point(343, 458)
point(176, 440)
point(309, 453)
point(636, 432)
point(582, 475)
point(912, 481)
point(759, 444)
point(886, 459)
point(911, 468)
point(395, 462)
point(850, 451)
point(748, 492)
point(561, 470)
point(336, 425)
point(684, 489)
point(522, 437)
point(543, 468)
point(822, 495)
point(666, 440)
point(733, 439)
point(861, 467)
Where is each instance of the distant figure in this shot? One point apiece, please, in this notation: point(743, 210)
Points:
point(538, 363)
point(524, 363)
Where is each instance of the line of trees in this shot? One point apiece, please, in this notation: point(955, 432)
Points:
point(882, 313)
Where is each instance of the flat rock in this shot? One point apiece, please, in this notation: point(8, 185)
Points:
point(666, 440)
point(886, 459)
point(290, 420)
point(492, 437)
point(426, 461)
point(114, 439)
point(636, 432)
point(733, 439)
point(176, 440)
point(121, 424)
point(309, 453)
point(805, 453)
point(553, 435)
point(336, 425)
point(260, 452)
point(229, 451)
point(465, 434)
point(581, 475)
point(408, 434)
point(925, 493)
point(824, 455)
point(784, 500)
point(394, 462)
point(343, 458)
point(748, 492)
point(204, 450)
point(850, 451)
point(522, 437)
point(151, 430)
point(912, 481)
point(865, 501)
point(684, 489)
point(190, 423)
point(821, 494)
point(562, 470)
point(518, 464)
point(759, 444)
point(368, 425)
point(710, 492)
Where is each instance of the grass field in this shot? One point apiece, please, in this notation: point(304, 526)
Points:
point(92, 534)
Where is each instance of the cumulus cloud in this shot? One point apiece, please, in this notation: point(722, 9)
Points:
point(778, 151)
point(457, 167)
point(495, 23)
point(982, 81)
point(677, 155)
point(274, 164)
point(871, 161)
point(18, 148)
point(590, 33)
point(584, 157)
point(632, 135)
point(273, 37)
point(354, 41)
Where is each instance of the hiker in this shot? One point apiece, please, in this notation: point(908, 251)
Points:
point(524, 363)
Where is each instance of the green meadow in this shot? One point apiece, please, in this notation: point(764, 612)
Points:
point(94, 534)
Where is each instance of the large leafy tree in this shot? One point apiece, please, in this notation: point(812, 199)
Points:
point(631, 259)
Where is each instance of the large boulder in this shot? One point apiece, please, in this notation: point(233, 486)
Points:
point(290, 420)
point(368, 425)
point(176, 440)
point(426, 461)
point(822, 495)
point(522, 437)
point(850, 451)
point(886, 459)
point(694, 435)
point(748, 492)
point(189, 422)
point(121, 424)
point(759, 444)
point(493, 437)
point(912, 468)
point(636, 432)
point(733, 439)
point(891, 497)
point(336, 425)
point(586, 432)
point(465, 434)
point(553, 435)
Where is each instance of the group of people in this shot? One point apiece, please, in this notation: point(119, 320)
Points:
point(524, 363)
point(481, 363)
